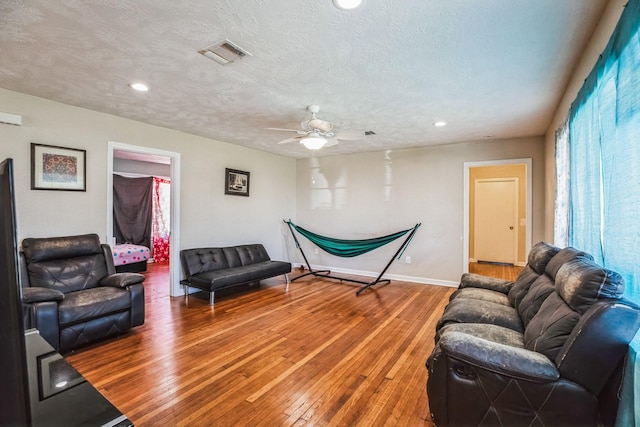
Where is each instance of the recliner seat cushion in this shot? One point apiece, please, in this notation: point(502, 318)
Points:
point(461, 311)
point(493, 333)
point(92, 303)
point(481, 294)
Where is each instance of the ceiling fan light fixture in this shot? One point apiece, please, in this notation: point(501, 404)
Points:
point(346, 4)
point(313, 142)
point(139, 86)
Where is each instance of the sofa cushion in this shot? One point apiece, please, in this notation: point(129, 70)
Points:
point(198, 260)
point(480, 294)
point(55, 248)
point(472, 280)
point(68, 275)
point(562, 257)
point(539, 257)
point(581, 282)
point(217, 279)
point(238, 256)
point(478, 311)
point(533, 299)
point(548, 330)
point(520, 287)
point(493, 333)
point(92, 303)
point(252, 254)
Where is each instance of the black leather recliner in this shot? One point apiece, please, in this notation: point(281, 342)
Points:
point(72, 293)
point(560, 367)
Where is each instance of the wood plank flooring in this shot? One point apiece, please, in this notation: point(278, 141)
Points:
point(507, 272)
point(314, 354)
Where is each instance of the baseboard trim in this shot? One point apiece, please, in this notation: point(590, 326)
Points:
point(398, 277)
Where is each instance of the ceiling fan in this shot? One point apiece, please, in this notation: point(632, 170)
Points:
point(316, 133)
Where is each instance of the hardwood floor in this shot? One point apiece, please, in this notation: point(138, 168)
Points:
point(313, 354)
point(508, 272)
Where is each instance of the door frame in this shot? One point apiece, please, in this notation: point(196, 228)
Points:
point(465, 236)
point(516, 239)
point(174, 240)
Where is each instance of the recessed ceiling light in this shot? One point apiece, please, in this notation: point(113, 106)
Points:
point(440, 123)
point(141, 87)
point(346, 4)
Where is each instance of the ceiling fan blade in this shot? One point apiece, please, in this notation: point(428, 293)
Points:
point(350, 135)
point(284, 130)
point(331, 142)
point(295, 138)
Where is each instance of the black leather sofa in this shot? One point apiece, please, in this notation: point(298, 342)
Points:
point(72, 293)
point(547, 349)
point(211, 269)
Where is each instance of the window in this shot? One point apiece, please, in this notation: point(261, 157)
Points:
point(604, 185)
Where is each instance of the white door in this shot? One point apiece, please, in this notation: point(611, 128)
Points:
point(495, 220)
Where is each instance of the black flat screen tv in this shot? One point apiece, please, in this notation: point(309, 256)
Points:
point(14, 392)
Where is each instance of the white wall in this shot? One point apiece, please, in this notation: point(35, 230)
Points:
point(208, 216)
point(367, 195)
point(594, 48)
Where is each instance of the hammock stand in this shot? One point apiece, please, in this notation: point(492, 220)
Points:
point(349, 248)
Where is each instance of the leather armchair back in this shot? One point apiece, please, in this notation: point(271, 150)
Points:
point(66, 264)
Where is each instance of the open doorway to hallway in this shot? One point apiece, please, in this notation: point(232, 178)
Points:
point(145, 157)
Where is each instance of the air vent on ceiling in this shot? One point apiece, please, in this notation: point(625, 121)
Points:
point(224, 52)
point(369, 132)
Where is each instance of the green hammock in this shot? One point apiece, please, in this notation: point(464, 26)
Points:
point(348, 248)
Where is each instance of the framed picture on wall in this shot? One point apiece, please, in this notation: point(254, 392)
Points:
point(58, 168)
point(236, 182)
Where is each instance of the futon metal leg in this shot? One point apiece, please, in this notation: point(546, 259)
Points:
point(286, 278)
point(211, 297)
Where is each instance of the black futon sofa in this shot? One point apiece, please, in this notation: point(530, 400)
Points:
point(545, 350)
point(211, 269)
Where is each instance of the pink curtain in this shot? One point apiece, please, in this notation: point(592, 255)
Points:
point(160, 230)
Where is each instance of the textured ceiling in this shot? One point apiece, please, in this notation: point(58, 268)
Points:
point(490, 69)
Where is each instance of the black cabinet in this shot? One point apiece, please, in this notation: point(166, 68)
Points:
point(59, 395)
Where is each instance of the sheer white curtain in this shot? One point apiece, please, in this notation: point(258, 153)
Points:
point(561, 216)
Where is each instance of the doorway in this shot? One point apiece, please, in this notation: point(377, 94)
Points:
point(497, 179)
point(173, 158)
point(495, 216)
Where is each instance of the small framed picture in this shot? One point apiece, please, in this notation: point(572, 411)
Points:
point(58, 168)
point(236, 182)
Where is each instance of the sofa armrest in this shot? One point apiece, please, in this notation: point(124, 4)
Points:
point(501, 359)
point(43, 316)
point(122, 280)
point(32, 295)
point(471, 280)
